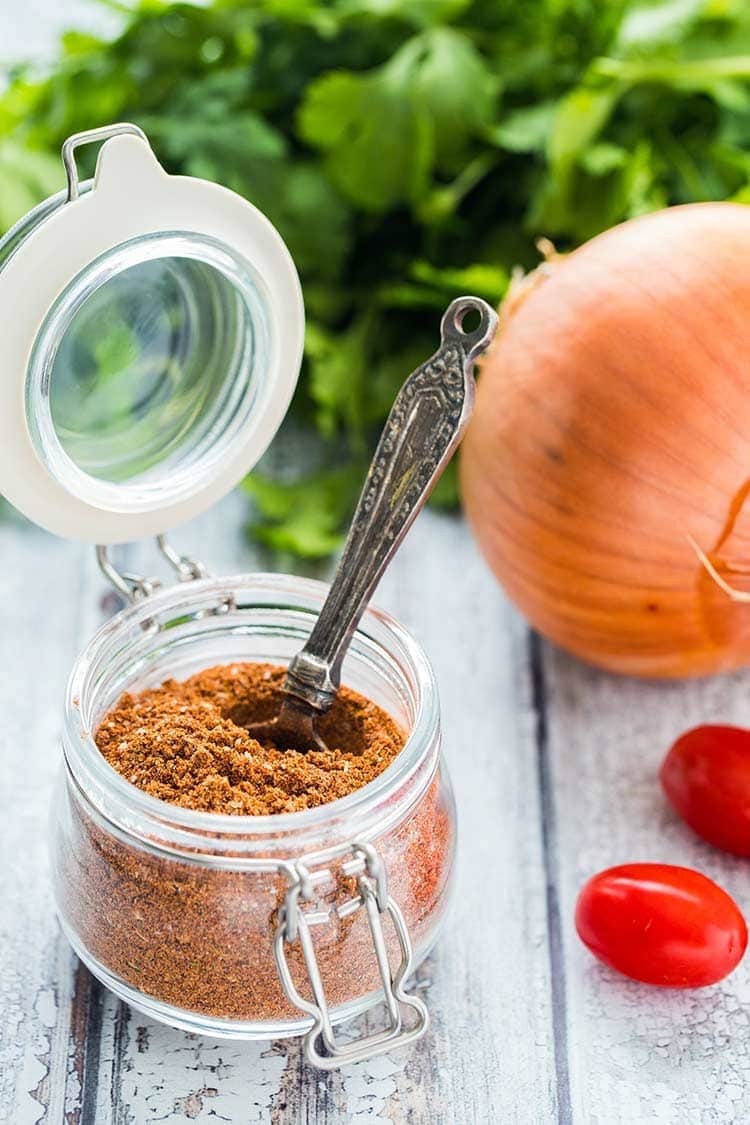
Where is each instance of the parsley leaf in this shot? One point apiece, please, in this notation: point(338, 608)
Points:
point(387, 130)
point(302, 517)
point(408, 151)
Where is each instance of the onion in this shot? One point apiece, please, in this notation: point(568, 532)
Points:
point(606, 471)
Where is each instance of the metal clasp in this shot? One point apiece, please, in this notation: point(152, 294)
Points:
point(135, 587)
point(132, 587)
point(294, 925)
point(91, 136)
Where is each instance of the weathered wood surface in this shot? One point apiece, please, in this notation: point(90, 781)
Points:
point(554, 767)
point(72, 1049)
point(638, 1054)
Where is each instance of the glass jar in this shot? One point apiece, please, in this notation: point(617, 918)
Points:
point(154, 347)
point(254, 927)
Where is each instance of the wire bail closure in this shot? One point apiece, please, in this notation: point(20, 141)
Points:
point(304, 878)
point(365, 864)
point(134, 587)
point(91, 136)
point(294, 925)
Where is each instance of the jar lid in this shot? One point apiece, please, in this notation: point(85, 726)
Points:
point(152, 339)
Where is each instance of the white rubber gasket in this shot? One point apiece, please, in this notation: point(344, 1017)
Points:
point(134, 197)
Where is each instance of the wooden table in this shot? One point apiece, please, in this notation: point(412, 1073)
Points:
point(555, 773)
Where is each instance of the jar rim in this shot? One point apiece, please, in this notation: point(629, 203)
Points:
point(246, 389)
point(90, 769)
point(132, 199)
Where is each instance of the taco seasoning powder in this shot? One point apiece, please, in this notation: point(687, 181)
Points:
point(200, 937)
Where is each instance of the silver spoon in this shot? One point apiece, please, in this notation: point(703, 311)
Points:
point(423, 429)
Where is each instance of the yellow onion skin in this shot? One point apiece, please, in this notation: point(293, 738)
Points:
point(612, 425)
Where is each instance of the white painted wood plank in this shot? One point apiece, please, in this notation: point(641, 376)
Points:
point(492, 1048)
point(636, 1054)
point(71, 1047)
point(40, 595)
point(489, 1055)
point(639, 1054)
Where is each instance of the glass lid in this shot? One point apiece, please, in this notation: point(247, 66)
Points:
point(156, 347)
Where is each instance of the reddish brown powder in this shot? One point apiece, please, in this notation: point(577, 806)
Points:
point(180, 929)
point(200, 938)
point(186, 743)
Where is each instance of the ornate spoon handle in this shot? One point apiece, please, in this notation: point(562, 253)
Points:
point(422, 431)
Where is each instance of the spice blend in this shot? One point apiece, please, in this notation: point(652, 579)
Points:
point(184, 931)
point(186, 743)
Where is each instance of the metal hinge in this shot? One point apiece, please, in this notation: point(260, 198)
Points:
point(294, 925)
point(91, 136)
point(134, 587)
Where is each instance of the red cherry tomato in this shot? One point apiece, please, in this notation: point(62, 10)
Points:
point(660, 924)
point(706, 777)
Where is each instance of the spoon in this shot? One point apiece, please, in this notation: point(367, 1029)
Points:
point(421, 433)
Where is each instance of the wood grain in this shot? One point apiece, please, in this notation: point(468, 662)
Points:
point(87, 1058)
point(496, 936)
point(554, 767)
point(639, 1054)
point(47, 609)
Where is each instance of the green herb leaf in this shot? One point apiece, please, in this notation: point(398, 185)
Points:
point(26, 178)
point(445, 494)
point(603, 158)
point(527, 129)
point(115, 350)
point(455, 88)
point(648, 26)
point(408, 151)
point(481, 279)
point(338, 377)
point(379, 141)
point(385, 131)
point(303, 517)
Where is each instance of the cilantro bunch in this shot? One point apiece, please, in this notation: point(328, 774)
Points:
point(408, 151)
